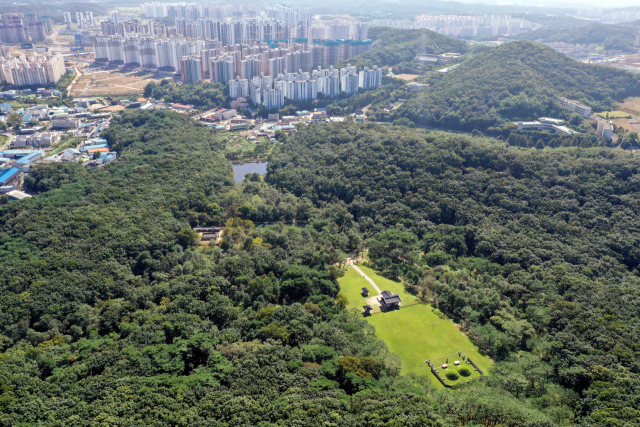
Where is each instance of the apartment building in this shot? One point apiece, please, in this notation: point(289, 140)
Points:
point(238, 88)
point(191, 69)
point(369, 79)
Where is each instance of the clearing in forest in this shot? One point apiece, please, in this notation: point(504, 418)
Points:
point(414, 332)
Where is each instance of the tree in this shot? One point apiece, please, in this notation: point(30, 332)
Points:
point(342, 301)
point(187, 237)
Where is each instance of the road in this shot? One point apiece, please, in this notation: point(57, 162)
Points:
point(367, 278)
point(8, 143)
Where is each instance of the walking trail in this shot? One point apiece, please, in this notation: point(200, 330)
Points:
point(367, 278)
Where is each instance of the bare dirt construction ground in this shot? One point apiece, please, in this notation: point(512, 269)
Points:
point(631, 106)
point(407, 77)
point(111, 83)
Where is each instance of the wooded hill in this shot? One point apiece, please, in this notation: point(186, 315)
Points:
point(611, 37)
point(110, 313)
point(515, 81)
point(392, 46)
point(534, 252)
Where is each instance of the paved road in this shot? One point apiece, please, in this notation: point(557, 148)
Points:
point(367, 278)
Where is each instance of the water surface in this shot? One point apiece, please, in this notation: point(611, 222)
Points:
point(240, 170)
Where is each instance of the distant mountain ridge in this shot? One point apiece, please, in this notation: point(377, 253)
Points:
point(517, 80)
point(612, 37)
point(393, 46)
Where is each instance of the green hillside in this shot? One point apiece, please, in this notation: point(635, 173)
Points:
point(611, 37)
point(515, 81)
point(392, 46)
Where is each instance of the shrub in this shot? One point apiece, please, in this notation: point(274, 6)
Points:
point(464, 371)
point(452, 375)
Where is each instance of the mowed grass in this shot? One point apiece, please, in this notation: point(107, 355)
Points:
point(389, 285)
point(351, 285)
point(416, 334)
point(614, 114)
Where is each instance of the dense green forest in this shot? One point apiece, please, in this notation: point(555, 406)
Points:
point(534, 252)
point(619, 36)
point(393, 46)
point(515, 81)
point(200, 94)
point(112, 314)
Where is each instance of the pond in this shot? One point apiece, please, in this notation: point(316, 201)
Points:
point(241, 169)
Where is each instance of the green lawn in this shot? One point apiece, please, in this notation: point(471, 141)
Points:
point(390, 285)
point(350, 285)
point(416, 334)
point(614, 114)
point(66, 143)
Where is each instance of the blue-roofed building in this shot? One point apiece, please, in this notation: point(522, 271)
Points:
point(26, 160)
point(86, 148)
point(4, 161)
point(9, 175)
point(15, 154)
point(5, 108)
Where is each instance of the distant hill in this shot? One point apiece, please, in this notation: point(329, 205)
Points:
point(619, 36)
point(393, 46)
point(518, 80)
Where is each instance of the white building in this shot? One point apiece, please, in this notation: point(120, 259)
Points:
point(349, 82)
point(32, 70)
point(238, 88)
point(273, 99)
point(370, 79)
point(575, 106)
point(605, 129)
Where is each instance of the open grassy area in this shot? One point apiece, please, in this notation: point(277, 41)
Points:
point(390, 285)
point(350, 285)
point(614, 114)
point(416, 334)
point(66, 143)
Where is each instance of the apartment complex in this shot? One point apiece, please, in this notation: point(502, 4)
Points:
point(21, 28)
point(32, 70)
point(463, 26)
point(303, 86)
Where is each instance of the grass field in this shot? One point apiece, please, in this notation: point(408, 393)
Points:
point(350, 285)
point(614, 114)
point(414, 332)
point(390, 285)
point(66, 143)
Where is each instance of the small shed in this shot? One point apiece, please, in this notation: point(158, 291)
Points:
point(367, 310)
point(365, 292)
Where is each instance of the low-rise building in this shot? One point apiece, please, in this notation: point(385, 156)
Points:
point(66, 123)
point(576, 106)
point(536, 125)
point(10, 175)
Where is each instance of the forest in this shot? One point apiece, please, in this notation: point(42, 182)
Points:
point(200, 94)
point(113, 313)
point(516, 81)
point(610, 37)
point(392, 46)
point(534, 252)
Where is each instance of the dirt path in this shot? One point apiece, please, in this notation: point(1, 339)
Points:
point(367, 278)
